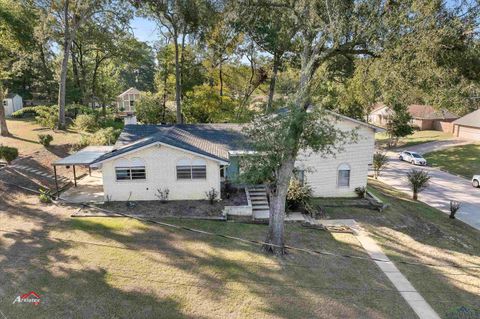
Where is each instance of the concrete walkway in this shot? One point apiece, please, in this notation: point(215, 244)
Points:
point(406, 289)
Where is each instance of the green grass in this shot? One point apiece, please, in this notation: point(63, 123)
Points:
point(418, 137)
point(123, 268)
point(461, 160)
point(413, 231)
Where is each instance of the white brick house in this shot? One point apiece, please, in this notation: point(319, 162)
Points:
point(191, 159)
point(339, 175)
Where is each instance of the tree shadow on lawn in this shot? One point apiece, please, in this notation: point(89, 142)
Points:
point(16, 137)
point(245, 282)
point(32, 260)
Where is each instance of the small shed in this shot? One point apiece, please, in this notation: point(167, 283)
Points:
point(12, 102)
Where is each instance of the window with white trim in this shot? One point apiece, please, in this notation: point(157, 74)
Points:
point(299, 175)
point(133, 169)
point(188, 169)
point(343, 175)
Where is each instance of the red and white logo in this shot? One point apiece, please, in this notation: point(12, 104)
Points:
point(31, 297)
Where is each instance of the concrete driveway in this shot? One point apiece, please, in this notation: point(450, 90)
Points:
point(443, 188)
point(435, 146)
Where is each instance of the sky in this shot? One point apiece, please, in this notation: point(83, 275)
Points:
point(144, 30)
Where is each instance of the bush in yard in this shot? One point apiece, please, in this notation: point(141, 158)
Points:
point(418, 180)
point(47, 116)
point(298, 194)
point(86, 123)
point(360, 191)
point(454, 207)
point(116, 123)
point(82, 143)
point(44, 196)
point(162, 194)
point(380, 160)
point(28, 111)
point(8, 153)
point(104, 136)
point(45, 139)
point(212, 195)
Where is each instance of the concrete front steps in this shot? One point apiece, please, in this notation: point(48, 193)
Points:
point(258, 197)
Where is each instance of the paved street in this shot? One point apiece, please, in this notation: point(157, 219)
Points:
point(443, 188)
point(436, 145)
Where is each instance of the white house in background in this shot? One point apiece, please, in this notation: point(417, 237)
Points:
point(126, 100)
point(379, 114)
point(12, 102)
point(191, 159)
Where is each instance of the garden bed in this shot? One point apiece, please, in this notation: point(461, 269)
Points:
point(178, 208)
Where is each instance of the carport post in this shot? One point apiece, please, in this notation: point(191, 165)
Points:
point(89, 171)
point(56, 181)
point(74, 176)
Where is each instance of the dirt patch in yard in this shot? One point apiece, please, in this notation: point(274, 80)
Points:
point(178, 208)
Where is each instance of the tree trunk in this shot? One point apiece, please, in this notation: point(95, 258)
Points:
point(93, 88)
point(178, 87)
point(67, 42)
point(276, 64)
point(164, 102)
point(415, 195)
point(3, 123)
point(276, 224)
point(285, 171)
point(220, 76)
point(46, 73)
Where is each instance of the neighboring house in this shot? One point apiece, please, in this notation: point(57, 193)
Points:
point(126, 100)
point(191, 159)
point(12, 102)
point(379, 114)
point(424, 117)
point(468, 127)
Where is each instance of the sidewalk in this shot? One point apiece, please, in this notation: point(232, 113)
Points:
point(406, 289)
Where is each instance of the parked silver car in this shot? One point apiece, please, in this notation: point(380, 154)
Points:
point(476, 181)
point(412, 157)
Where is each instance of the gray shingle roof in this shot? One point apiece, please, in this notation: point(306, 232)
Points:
point(471, 119)
point(212, 140)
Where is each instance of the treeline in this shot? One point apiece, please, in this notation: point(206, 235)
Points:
point(217, 61)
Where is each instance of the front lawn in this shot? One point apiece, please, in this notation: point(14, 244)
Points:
point(123, 268)
point(413, 231)
point(461, 160)
point(418, 137)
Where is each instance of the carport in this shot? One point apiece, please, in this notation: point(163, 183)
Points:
point(84, 157)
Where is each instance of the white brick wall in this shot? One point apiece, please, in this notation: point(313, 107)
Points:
point(322, 172)
point(160, 164)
